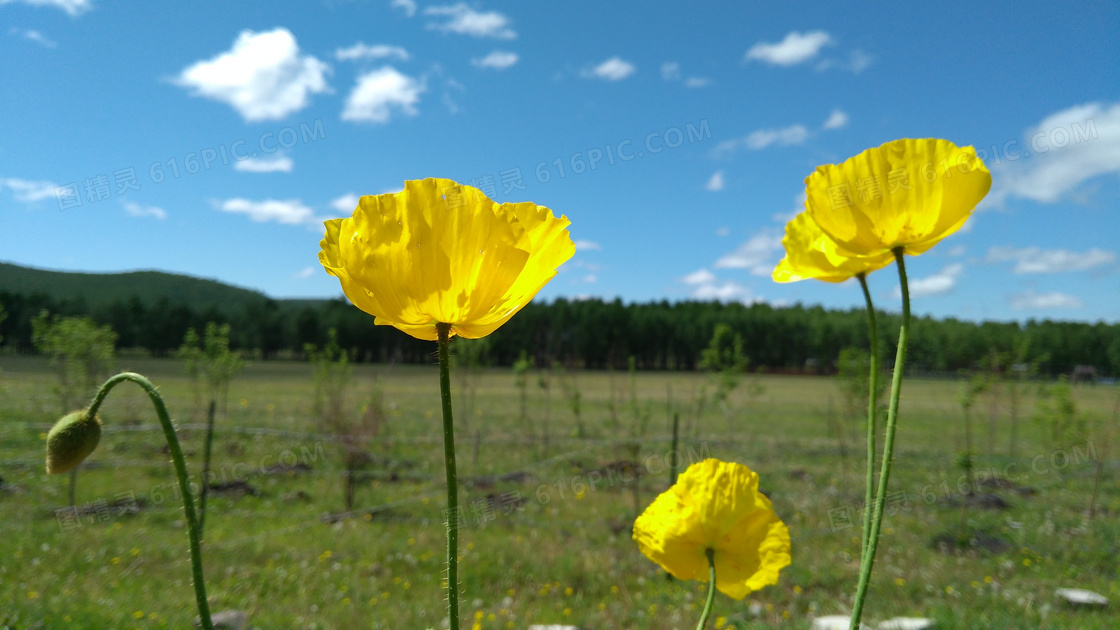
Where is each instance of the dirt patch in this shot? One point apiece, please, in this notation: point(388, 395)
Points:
point(234, 488)
point(487, 482)
point(280, 469)
point(298, 495)
point(956, 542)
point(980, 501)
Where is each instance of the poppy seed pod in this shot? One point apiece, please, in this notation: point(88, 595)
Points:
point(71, 440)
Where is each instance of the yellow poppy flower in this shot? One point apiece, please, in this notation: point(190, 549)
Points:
point(442, 252)
point(716, 505)
point(810, 253)
point(906, 193)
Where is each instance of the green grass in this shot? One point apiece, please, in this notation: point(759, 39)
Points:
point(565, 556)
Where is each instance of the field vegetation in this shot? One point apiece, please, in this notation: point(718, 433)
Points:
point(551, 484)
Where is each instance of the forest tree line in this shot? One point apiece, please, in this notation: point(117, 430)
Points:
point(592, 334)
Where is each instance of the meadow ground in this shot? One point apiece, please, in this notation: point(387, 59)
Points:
point(551, 544)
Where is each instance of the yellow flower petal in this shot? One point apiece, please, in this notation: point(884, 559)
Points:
point(810, 253)
point(716, 505)
point(906, 193)
point(442, 252)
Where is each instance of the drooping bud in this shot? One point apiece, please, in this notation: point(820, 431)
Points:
point(71, 440)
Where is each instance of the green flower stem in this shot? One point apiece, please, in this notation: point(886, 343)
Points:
point(180, 471)
point(888, 445)
point(444, 331)
point(872, 403)
point(711, 590)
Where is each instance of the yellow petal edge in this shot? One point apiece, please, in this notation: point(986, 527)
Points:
point(716, 505)
point(810, 253)
point(908, 193)
point(443, 252)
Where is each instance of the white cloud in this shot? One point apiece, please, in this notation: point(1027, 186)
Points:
point(1036, 260)
point(377, 51)
point(33, 36)
point(794, 49)
point(277, 164)
point(700, 276)
point(716, 182)
point(959, 250)
point(837, 120)
point(1029, 300)
point(590, 278)
point(408, 6)
point(378, 92)
point(263, 76)
point(671, 71)
point(756, 254)
point(346, 203)
point(727, 291)
point(613, 69)
point(723, 231)
point(941, 282)
point(137, 210)
point(588, 246)
point(1066, 149)
point(27, 191)
point(73, 7)
point(288, 212)
point(857, 62)
point(306, 272)
point(762, 138)
point(464, 20)
point(498, 60)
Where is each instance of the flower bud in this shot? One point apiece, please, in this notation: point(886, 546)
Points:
point(71, 440)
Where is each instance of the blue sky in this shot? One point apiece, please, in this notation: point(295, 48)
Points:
point(213, 138)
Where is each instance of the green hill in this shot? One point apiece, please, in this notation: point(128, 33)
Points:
point(101, 289)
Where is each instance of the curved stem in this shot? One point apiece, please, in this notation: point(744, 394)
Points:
point(888, 445)
point(872, 404)
point(180, 472)
point(711, 590)
point(453, 518)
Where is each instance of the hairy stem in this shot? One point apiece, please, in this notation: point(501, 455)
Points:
point(868, 559)
point(444, 331)
point(872, 405)
point(711, 590)
point(193, 530)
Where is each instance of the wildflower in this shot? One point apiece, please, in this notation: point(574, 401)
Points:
point(442, 252)
point(906, 193)
point(440, 259)
point(715, 508)
point(810, 253)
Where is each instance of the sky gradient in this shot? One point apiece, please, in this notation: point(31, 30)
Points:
point(212, 139)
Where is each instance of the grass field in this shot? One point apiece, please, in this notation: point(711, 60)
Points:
point(560, 554)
